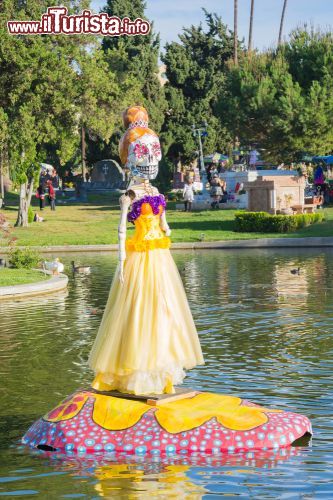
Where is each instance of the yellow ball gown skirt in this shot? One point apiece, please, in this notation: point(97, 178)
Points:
point(147, 336)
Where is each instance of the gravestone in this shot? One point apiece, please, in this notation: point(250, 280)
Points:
point(107, 175)
point(178, 180)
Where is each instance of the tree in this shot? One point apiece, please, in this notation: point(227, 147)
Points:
point(3, 142)
point(251, 26)
point(26, 176)
point(135, 63)
point(196, 65)
point(309, 55)
point(282, 21)
point(263, 105)
point(275, 100)
point(97, 100)
point(38, 95)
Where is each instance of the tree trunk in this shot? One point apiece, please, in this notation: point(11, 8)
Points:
point(282, 21)
point(83, 153)
point(30, 191)
point(2, 187)
point(25, 200)
point(235, 32)
point(251, 26)
point(22, 216)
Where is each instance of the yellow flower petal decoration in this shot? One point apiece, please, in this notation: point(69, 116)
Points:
point(68, 409)
point(117, 414)
point(144, 245)
point(186, 414)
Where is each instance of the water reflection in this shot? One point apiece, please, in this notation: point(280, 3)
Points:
point(266, 335)
point(191, 477)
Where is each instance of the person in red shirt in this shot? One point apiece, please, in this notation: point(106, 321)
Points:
point(51, 195)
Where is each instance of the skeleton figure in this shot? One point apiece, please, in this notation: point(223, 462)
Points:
point(147, 336)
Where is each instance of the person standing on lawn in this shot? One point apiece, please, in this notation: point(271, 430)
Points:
point(51, 195)
point(41, 196)
point(188, 194)
point(216, 191)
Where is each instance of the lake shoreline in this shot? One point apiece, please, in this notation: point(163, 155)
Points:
point(53, 284)
point(288, 242)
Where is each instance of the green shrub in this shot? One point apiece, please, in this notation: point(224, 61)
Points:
point(172, 196)
point(175, 196)
point(250, 221)
point(24, 258)
point(31, 215)
point(262, 222)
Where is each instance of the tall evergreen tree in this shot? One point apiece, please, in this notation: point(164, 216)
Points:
point(309, 54)
point(99, 100)
point(195, 71)
point(137, 57)
point(283, 99)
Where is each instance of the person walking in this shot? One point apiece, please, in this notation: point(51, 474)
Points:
point(209, 175)
point(51, 195)
point(216, 191)
point(55, 179)
point(41, 196)
point(213, 170)
point(188, 195)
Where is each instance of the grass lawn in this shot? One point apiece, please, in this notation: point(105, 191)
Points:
point(10, 277)
point(96, 222)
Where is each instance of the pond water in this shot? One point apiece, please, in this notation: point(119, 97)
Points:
point(266, 334)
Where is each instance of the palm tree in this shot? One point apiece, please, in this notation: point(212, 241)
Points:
point(235, 32)
point(251, 26)
point(282, 21)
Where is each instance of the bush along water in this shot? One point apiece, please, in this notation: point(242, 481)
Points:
point(262, 222)
point(24, 258)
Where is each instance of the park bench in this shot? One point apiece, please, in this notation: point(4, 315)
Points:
point(308, 208)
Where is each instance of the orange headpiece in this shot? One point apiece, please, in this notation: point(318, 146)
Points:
point(135, 116)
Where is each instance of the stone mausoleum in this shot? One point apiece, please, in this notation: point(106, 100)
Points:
point(275, 193)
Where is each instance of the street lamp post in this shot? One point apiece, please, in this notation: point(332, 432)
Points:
point(199, 131)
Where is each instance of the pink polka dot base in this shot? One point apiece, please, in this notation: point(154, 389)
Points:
point(80, 434)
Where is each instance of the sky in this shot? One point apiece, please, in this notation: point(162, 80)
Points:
point(170, 16)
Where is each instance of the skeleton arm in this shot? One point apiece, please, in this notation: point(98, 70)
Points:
point(125, 202)
point(164, 225)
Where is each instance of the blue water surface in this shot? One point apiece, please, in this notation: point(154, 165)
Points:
point(266, 335)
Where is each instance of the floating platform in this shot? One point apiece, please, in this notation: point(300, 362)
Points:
point(89, 421)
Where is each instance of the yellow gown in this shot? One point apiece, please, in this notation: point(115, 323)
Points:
point(147, 336)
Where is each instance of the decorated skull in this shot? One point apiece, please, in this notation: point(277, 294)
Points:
point(143, 157)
